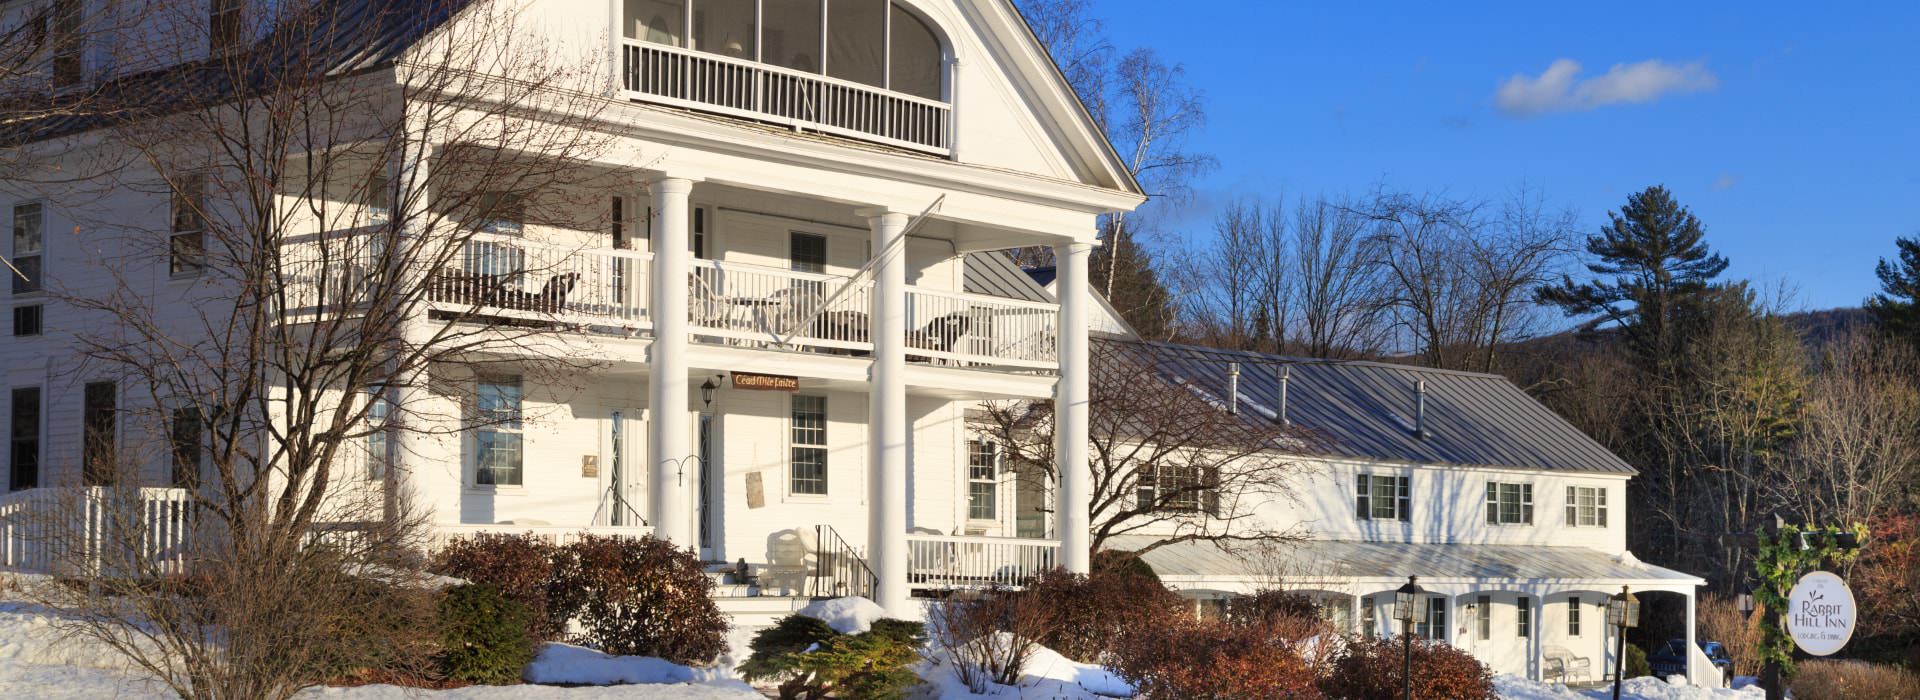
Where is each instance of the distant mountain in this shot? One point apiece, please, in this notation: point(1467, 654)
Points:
point(1817, 327)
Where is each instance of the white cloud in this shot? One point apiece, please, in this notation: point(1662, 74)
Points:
point(1560, 89)
point(1725, 182)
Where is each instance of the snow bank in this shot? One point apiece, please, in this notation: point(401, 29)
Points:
point(1047, 675)
point(1517, 688)
point(566, 664)
point(846, 615)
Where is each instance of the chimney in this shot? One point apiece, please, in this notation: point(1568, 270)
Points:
point(1420, 409)
point(1233, 388)
point(1286, 374)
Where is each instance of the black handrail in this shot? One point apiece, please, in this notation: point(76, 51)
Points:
point(839, 568)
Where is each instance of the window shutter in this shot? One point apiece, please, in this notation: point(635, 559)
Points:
point(1526, 503)
point(1361, 504)
point(1600, 506)
point(1573, 507)
point(1406, 499)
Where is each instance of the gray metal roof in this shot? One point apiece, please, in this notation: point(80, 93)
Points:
point(1334, 559)
point(995, 273)
point(1365, 410)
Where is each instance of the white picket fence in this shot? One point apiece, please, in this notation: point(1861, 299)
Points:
point(97, 530)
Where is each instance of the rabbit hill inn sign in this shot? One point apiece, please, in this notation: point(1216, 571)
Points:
point(1821, 613)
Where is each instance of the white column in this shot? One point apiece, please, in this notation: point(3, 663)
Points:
point(1071, 402)
point(1690, 670)
point(887, 414)
point(408, 444)
point(669, 432)
point(1537, 630)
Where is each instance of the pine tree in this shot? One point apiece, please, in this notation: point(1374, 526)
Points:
point(1652, 264)
point(1137, 292)
point(1898, 303)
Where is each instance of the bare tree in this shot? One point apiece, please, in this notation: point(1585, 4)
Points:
point(1857, 453)
point(328, 203)
point(1336, 285)
point(1168, 459)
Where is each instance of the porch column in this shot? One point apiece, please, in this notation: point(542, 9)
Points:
point(1536, 633)
point(887, 413)
point(408, 446)
point(1688, 659)
point(1071, 398)
point(669, 432)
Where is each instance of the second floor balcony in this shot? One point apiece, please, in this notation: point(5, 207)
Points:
point(508, 279)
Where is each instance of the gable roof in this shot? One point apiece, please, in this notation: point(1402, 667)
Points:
point(1364, 410)
point(1082, 114)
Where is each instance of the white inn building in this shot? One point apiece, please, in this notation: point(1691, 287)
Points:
point(786, 304)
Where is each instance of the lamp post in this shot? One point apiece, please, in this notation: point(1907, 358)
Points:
point(1409, 604)
point(1623, 613)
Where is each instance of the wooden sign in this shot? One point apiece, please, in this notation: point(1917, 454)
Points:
point(765, 382)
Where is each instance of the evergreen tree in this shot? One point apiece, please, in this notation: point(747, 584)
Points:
point(1652, 264)
point(1137, 292)
point(1898, 303)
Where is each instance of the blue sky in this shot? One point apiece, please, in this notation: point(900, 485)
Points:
point(1791, 130)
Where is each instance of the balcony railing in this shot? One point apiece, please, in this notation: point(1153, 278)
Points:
point(683, 78)
point(944, 562)
point(505, 277)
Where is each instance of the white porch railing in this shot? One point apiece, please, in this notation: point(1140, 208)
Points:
point(551, 534)
point(708, 82)
point(940, 562)
point(765, 305)
point(970, 329)
point(508, 276)
point(52, 530)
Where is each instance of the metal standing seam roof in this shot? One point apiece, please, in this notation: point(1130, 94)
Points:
point(1336, 559)
point(994, 273)
point(1365, 410)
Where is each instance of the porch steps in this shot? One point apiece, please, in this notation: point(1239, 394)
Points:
point(760, 611)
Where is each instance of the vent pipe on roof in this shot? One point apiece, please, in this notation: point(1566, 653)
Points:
point(1420, 409)
point(1233, 388)
point(1286, 374)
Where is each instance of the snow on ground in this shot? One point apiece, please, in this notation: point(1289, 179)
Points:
point(845, 615)
point(1047, 675)
point(1517, 688)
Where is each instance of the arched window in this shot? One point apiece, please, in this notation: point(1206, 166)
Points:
point(873, 42)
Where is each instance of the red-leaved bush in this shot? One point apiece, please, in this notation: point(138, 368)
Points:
point(520, 566)
point(1089, 613)
point(640, 597)
point(1195, 660)
point(1371, 669)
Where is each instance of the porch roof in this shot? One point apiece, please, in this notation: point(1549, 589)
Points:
point(1355, 562)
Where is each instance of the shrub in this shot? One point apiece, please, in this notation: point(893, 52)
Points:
point(1120, 561)
point(483, 636)
point(1270, 605)
point(1370, 669)
point(638, 597)
point(1089, 613)
point(811, 660)
point(1853, 680)
point(1722, 621)
point(520, 566)
point(1637, 665)
point(1212, 660)
point(990, 636)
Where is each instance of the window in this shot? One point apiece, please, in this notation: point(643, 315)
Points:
point(1179, 489)
point(378, 440)
point(499, 434)
point(700, 251)
point(857, 41)
point(186, 434)
point(1483, 616)
point(808, 252)
point(914, 60)
point(725, 27)
point(379, 197)
point(1524, 625)
point(1586, 506)
point(873, 42)
point(29, 242)
point(1573, 617)
point(67, 43)
point(504, 214)
point(187, 247)
point(224, 26)
point(27, 319)
point(1509, 504)
point(809, 469)
point(23, 434)
point(97, 453)
point(983, 461)
point(656, 21)
point(1369, 619)
point(792, 38)
point(1435, 626)
point(1382, 497)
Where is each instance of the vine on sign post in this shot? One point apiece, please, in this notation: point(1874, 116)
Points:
point(1785, 556)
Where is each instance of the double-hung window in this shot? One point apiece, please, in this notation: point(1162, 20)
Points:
point(1483, 617)
point(68, 45)
point(23, 453)
point(1573, 616)
point(807, 252)
point(224, 28)
point(1171, 488)
point(1509, 504)
point(1523, 627)
point(187, 434)
point(1435, 626)
point(29, 246)
point(187, 244)
point(983, 461)
point(98, 414)
point(808, 472)
point(499, 438)
point(1382, 497)
point(1586, 506)
point(378, 435)
point(1369, 618)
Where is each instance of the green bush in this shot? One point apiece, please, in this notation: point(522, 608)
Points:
point(810, 660)
point(638, 597)
point(1637, 662)
point(483, 636)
